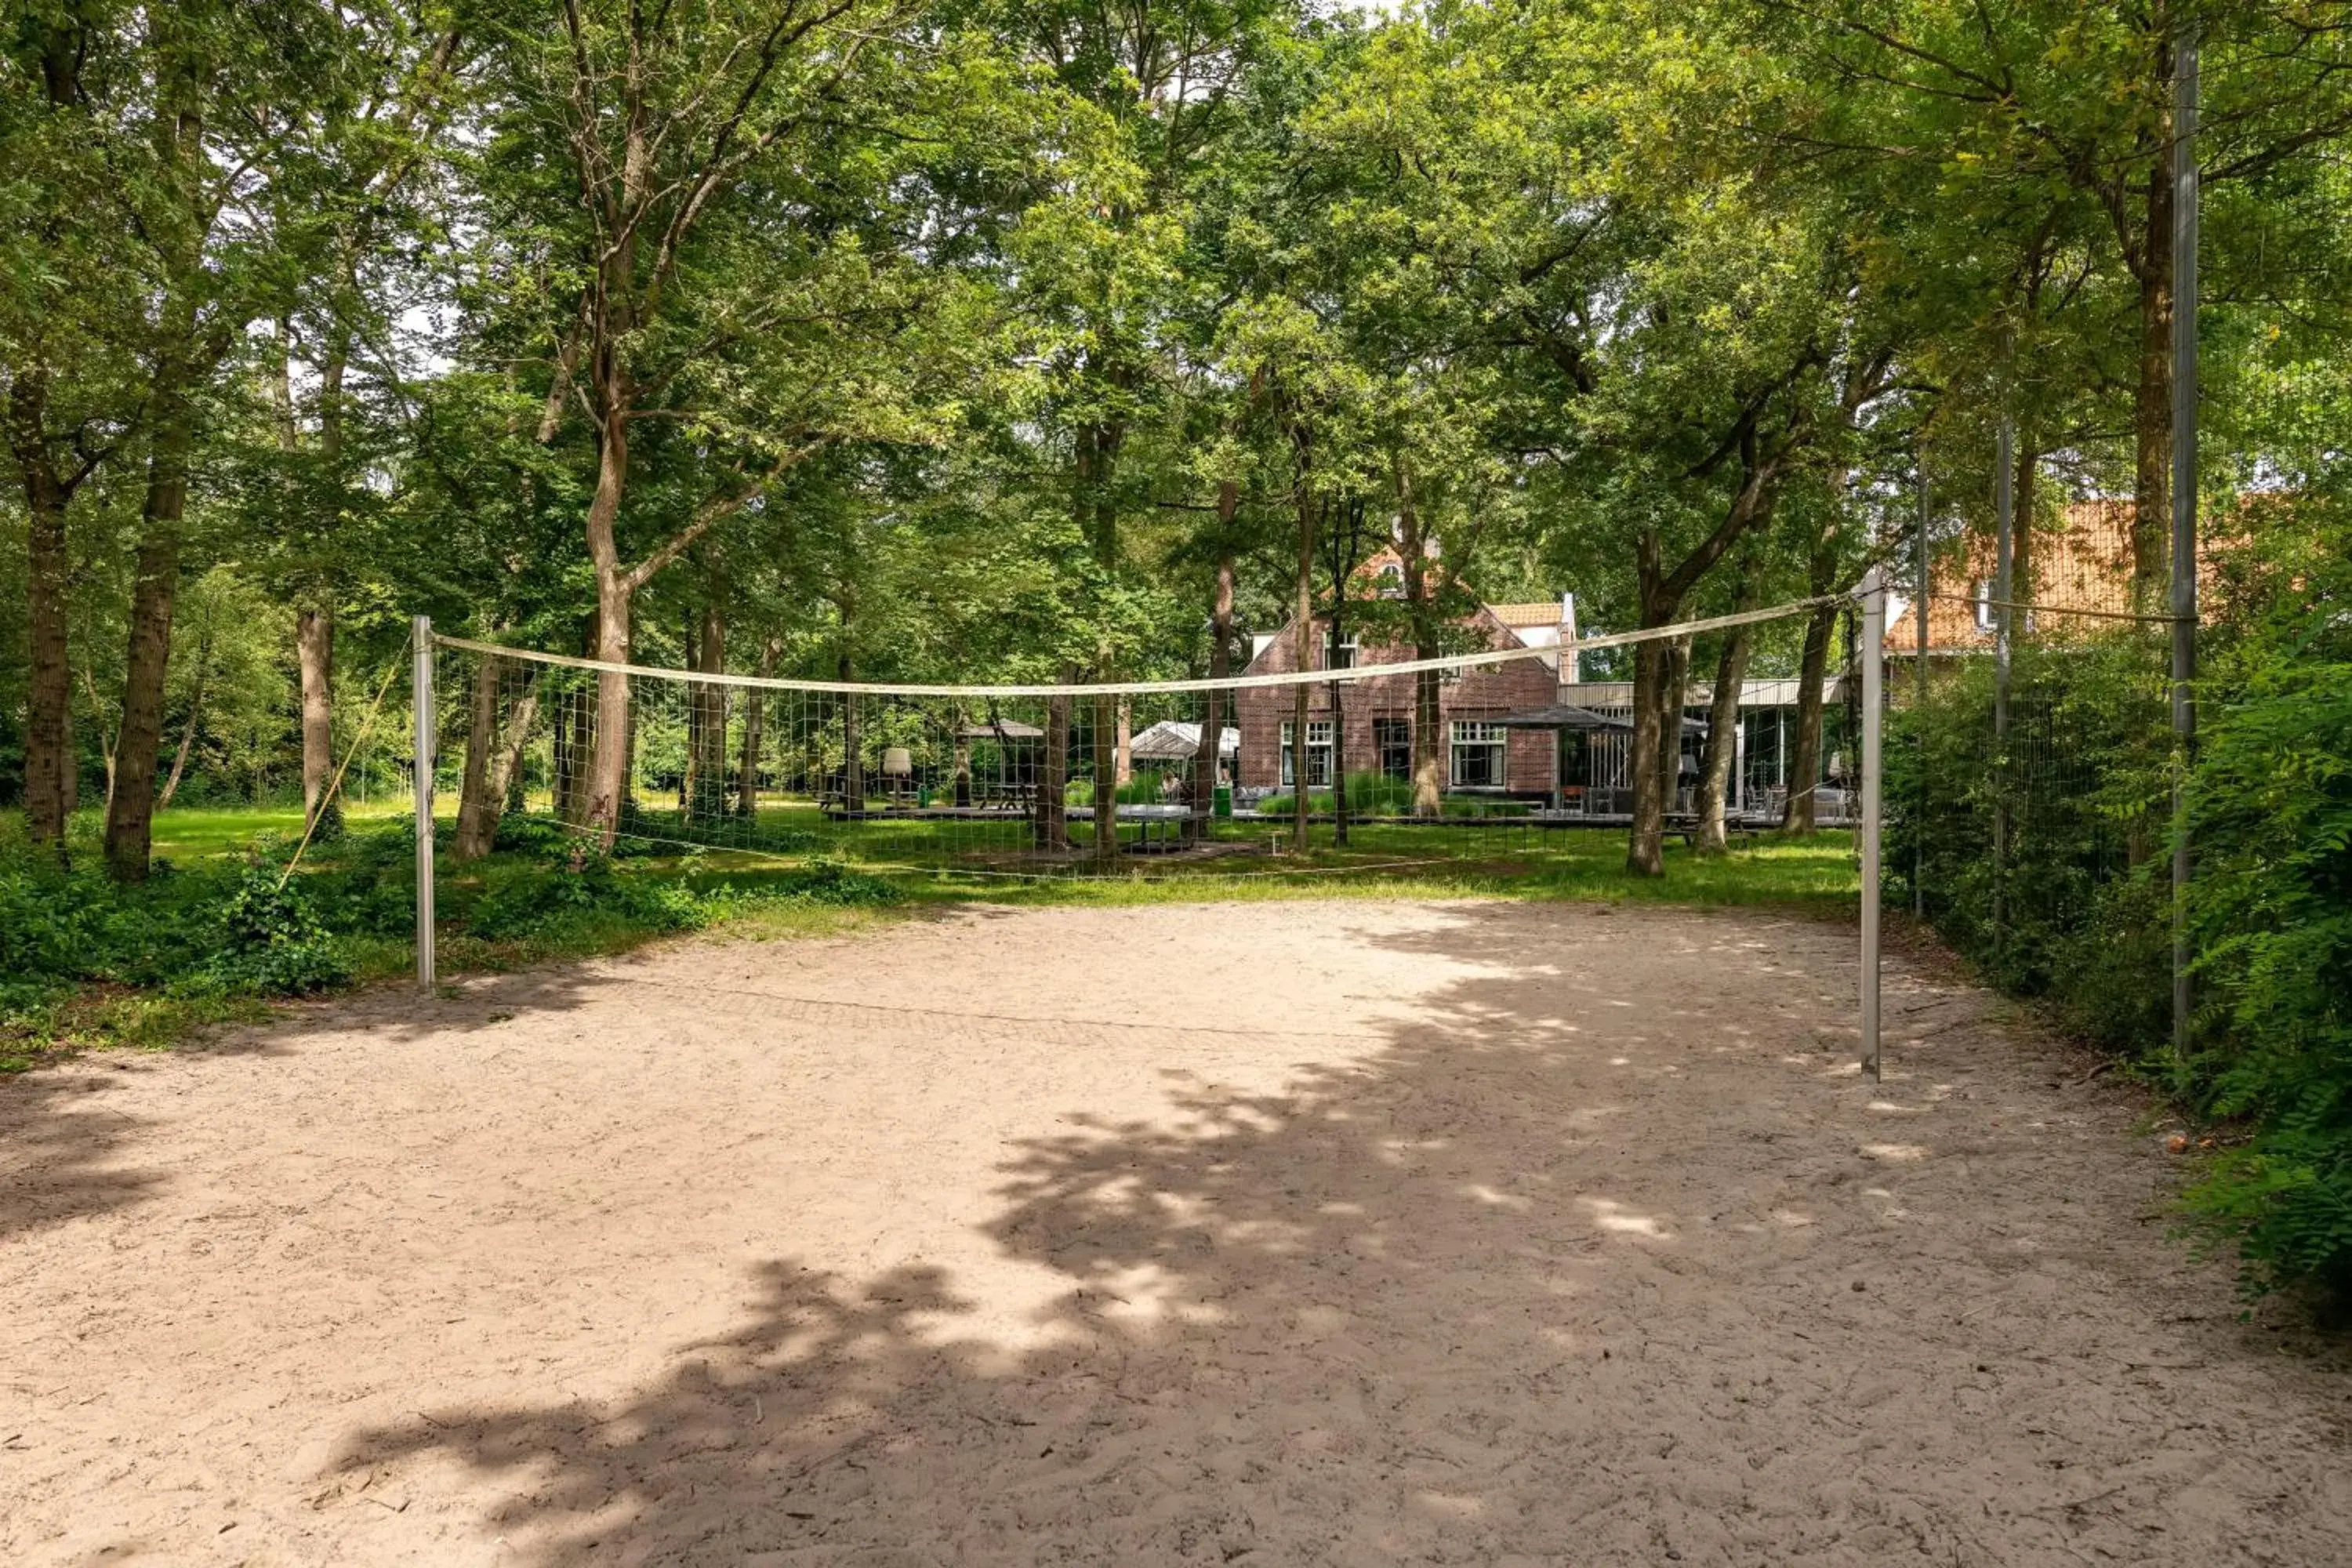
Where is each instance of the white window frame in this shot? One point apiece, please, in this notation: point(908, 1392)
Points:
point(1981, 600)
point(1349, 654)
point(1318, 754)
point(1463, 735)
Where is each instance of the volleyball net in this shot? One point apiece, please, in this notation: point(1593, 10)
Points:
point(1322, 761)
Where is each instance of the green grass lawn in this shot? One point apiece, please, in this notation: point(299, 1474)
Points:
point(988, 861)
point(193, 832)
point(1382, 859)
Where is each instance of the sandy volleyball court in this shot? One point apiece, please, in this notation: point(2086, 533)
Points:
point(1275, 1234)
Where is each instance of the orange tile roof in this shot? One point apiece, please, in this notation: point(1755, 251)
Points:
point(1544, 612)
point(2084, 564)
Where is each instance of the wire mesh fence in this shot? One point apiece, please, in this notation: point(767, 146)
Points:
point(2025, 811)
point(972, 781)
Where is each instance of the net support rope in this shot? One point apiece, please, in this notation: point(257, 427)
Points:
point(1445, 664)
point(2146, 617)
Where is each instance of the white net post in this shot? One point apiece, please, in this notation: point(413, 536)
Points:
point(1874, 639)
point(422, 701)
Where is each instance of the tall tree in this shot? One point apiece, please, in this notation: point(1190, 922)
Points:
point(208, 102)
point(723, 235)
point(64, 331)
point(2016, 102)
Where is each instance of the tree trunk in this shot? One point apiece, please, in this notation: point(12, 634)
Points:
point(852, 743)
point(609, 742)
point(314, 647)
point(188, 731)
point(1208, 756)
point(130, 813)
point(688, 774)
point(1644, 848)
point(1098, 446)
point(180, 759)
point(561, 786)
point(1303, 653)
point(1662, 596)
point(1106, 766)
point(49, 698)
point(314, 625)
point(2020, 539)
point(707, 798)
point(477, 808)
point(506, 779)
point(2152, 398)
point(1428, 778)
point(1337, 689)
point(570, 755)
point(755, 715)
point(50, 773)
point(1053, 833)
point(1723, 735)
point(1673, 702)
point(1428, 744)
point(1799, 816)
point(493, 754)
point(106, 742)
point(1338, 766)
point(1646, 853)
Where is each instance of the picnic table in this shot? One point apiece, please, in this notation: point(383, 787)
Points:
point(1686, 824)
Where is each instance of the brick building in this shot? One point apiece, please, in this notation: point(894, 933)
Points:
point(1474, 757)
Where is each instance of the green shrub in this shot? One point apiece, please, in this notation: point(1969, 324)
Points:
point(831, 882)
point(221, 931)
point(2271, 906)
point(1142, 788)
point(2077, 799)
point(2078, 910)
point(659, 833)
point(229, 931)
point(271, 941)
point(540, 901)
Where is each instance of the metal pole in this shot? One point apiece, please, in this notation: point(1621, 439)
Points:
point(1872, 656)
point(2004, 512)
point(421, 699)
point(1919, 712)
point(2184, 504)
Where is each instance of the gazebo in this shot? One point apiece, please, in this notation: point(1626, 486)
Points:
point(1174, 741)
point(1018, 746)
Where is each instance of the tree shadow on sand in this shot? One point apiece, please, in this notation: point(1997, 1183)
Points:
point(1456, 1298)
point(66, 1151)
point(61, 1142)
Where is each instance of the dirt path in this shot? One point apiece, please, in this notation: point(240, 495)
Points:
point(1275, 1234)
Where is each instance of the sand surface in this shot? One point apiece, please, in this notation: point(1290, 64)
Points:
point(1347, 1232)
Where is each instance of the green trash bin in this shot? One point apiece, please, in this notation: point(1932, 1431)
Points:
point(1220, 801)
